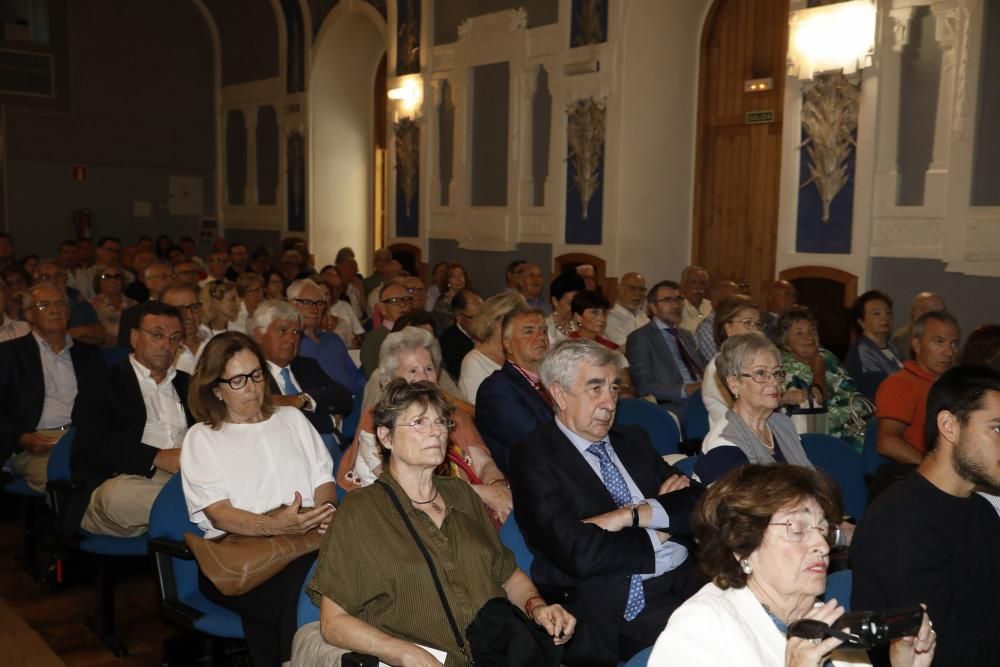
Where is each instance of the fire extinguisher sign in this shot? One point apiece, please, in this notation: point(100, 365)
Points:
point(79, 172)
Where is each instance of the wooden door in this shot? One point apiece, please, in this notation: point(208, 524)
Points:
point(738, 164)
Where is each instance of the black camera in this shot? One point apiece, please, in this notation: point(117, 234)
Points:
point(863, 629)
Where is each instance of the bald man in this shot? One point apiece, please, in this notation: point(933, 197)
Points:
point(629, 312)
point(924, 302)
point(781, 296)
point(694, 287)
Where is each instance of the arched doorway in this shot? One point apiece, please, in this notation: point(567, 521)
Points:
point(349, 48)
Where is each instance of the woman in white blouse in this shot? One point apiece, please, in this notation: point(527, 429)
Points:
point(245, 458)
point(487, 354)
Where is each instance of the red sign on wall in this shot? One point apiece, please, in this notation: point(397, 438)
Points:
point(79, 172)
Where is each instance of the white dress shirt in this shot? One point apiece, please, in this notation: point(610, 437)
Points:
point(60, 384)
point(166, 424)
point(276, 370)
point(622, 322)
point(691, 317)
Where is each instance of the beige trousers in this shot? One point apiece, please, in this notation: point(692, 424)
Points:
point(33, 467)
point(120, 506)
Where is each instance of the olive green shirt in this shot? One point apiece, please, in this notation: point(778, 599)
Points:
point(371, 567)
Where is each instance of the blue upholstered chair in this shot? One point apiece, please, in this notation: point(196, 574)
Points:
point(872, 459)
point(659, 425)
point(511, 537)
point(838, 585)
point(640, 659)
point(686, 465)
point(837, 459)
point(695, 418)
point(30, 505)
point(114, 355)
point(350, 424)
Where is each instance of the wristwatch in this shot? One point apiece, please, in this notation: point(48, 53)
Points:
point(635, 515)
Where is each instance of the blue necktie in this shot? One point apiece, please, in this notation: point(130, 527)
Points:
point(287, 388)
point(615, 483)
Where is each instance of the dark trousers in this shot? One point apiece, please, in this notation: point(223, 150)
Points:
point(663, 595)
point(269, 612)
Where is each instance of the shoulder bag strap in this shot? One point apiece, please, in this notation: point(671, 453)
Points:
point(430, 565)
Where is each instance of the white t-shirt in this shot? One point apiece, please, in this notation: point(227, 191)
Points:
point(476, 367)
point(257, 467)
point(348, 325)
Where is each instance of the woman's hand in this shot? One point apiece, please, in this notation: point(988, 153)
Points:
point(812, 652)
point(290, 521)
point(674, 483)
point(915, 651)
point(558, 622)
point(497, 497)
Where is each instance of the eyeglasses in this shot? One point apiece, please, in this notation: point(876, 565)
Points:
point(237, 382)
point(423, 425)
point(669, 299)
point(111, 276)
point(61, 304)
point(192, 307)
point(397, 300)
point(796, 530)
point(760, 376)
point(752, 324)
point(158, 336)
point(309, 303)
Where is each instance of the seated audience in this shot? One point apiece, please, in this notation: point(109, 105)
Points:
point(138, 290)
point(186, 271)
point(456, 340)
point(380, 261)
point(871, 359)
point(343, 321)
point(458, 280)
point(561, 292)
point(589, 275)
point(17, 282)
point(9, 327)
point(41, 375)
point(347, 267)
point(781, 296)
point(704, 335)
point(982, 347)
point(512, 401)
point(511, 277)
point(929, 538)
point(923, 302)
point(530, 284)
point(323, 346)
point(393, 271)
point(439, 284)
point(394, 301)
point(367, 601)
point(109, 301)
point(753, 430)
point(733, 316)
point(487, 356)
point(814, 376)
point(663, 359)
point(238, 261)
point(602, 512)
point(6, 250)
point(220, 308)
point(157, 276)
point(129, 445)
point(412, 354)
point(590, 316)
point(764, 535)
point(630, 311)
point(184, 298)
point(250, 290)
point(245, 458)
point(163, 244)
point(900, 403)
point(274, 285)
point(694, 285)
point(294, 380)
point(83, 320)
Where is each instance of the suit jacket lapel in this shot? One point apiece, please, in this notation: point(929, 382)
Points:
point(132, 394)
point(572, 463)
point(525, 388)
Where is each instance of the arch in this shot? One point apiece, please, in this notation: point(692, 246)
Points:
point(571, 260)
point(348, 48)
point(829, 293)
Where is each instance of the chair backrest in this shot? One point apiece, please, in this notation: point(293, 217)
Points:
point(837, 459)
point(872, 459)
point(695, 417)
point(113, 355)
point(307, 611)
point(686, 465)
point(838, 585)
point(350, 424)
point(511, 537)
point(169, 520)
point(640, 659)
point(659, 425)
point(59, 457)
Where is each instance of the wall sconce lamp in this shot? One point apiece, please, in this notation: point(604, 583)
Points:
point(408, 95)
point(833, 37)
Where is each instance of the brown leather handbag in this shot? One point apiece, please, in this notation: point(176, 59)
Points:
point(237, 564)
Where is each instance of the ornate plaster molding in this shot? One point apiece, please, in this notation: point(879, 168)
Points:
point(509, 20)
point(900, 18)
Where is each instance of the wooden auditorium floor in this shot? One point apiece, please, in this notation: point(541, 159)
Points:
point(39, 629)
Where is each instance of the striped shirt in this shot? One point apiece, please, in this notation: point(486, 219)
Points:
point(372, 568)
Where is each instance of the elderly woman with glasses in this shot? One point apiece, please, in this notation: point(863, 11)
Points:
point(733, 316)
point(764, 535)
point(752, 431)
point(220, 308)
point(109, 299)
point(252, 468)
point(374, 589)
point(414, 355)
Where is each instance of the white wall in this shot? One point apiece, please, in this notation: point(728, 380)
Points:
point(341, 146)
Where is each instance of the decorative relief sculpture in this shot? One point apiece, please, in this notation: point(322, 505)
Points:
point(407, 143)
point(585, 130)
point(588, 23)
point(960, 110)
point(508, 19)
point(829, 119)
point(408, 42)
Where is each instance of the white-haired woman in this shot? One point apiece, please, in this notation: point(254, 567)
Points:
point(413, 354)
point(487, 354)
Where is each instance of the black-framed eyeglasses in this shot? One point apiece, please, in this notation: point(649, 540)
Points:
point(237, 382)
point(309, 303)
point(159, 336)
point(423, 425)
point(797, 530)
point(111, 276)
point(397, 300)
point(760, 376)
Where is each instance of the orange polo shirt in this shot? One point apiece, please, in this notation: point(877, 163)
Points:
point(903, 396)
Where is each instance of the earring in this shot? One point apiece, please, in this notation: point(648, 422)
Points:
point(746, 566)
point(736, 395)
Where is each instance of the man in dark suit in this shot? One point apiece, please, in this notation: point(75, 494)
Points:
point(511, 402)
point(606, 518)
point(41, 375)
point(456, 341)
point(663, 358)
point(128, 443)
point(296, 381)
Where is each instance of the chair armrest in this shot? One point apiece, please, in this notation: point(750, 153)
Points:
point(64, 485)
point(170, 548)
